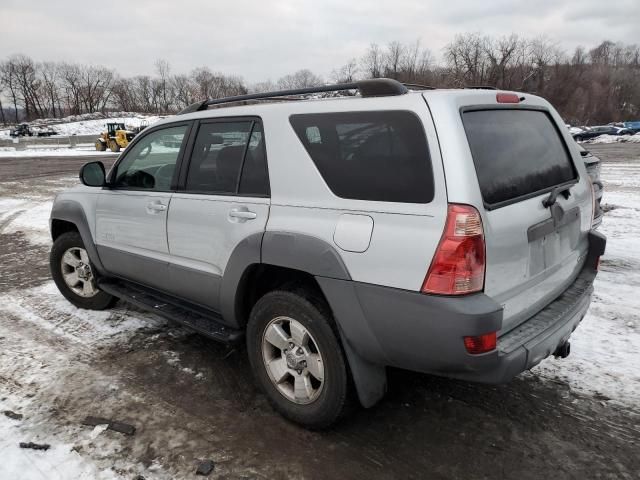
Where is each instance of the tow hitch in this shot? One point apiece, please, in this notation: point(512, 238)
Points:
point(563, 350)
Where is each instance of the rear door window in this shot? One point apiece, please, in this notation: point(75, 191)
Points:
point(380, 156)
point(517, 153)
point(229, 159)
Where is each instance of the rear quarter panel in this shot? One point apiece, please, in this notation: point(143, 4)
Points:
point(404, 236)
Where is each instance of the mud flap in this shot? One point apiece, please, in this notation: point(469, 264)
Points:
point(370, 379)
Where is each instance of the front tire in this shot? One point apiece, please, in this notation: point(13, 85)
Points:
point(297, 359)
point(113, 146)
point(74, 275)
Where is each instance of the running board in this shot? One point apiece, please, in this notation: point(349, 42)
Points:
point(207, 323)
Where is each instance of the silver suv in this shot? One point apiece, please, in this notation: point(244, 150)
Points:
point(441, 231)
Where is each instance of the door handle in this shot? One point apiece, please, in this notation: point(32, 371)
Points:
point(242, 214)
point(156, 207)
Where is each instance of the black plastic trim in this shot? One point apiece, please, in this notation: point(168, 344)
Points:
point(376, 87)
point(72, 212)
point(203, 321)
point(391, 327)
point(549, 225)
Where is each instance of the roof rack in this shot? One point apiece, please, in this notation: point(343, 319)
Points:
point(417, 86)
point(481, 87)
point(376, 87)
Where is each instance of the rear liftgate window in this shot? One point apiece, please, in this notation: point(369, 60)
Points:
point(516, 153)
point(379, 156)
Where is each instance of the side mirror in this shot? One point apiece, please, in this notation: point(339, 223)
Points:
point(92, 174)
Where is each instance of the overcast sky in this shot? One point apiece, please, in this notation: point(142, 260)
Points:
point(261, 39)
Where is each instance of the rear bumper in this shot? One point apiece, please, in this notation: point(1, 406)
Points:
point(424, 333)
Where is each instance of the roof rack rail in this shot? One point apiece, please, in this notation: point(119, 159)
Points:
point(418, 86)
point(375, 87)
point(481, 87)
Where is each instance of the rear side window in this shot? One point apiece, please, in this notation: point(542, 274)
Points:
point(516, 153)
point(380, 156)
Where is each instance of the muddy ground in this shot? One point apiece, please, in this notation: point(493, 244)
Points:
point(191, 398)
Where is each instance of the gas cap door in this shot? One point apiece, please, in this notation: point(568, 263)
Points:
point(353, 232)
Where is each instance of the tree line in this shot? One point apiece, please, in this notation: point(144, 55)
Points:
point(587, 86)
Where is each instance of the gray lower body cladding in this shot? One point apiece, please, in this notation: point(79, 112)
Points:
point(425, 333)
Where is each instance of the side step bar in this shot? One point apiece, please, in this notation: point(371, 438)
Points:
point(207, 323)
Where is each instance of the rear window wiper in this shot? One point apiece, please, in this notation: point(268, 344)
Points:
point(553, 196)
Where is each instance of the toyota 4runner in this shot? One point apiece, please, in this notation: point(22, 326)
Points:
point(441, 231)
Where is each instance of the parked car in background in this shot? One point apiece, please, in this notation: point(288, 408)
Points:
point(633, 126)
point(575, 130)
point(593, 166)
point(594, 132)
point(23, 130)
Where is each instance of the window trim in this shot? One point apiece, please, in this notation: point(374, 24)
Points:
point(149, 131)
point(429, 157)
point(536, 108)
point(186, 164)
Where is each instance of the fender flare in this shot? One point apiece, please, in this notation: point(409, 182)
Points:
point(318, 258)
point(72, 212)
point(281, 249)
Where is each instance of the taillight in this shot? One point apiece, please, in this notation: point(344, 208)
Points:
point(481, 344)
point(503, 97)
point(459, 263)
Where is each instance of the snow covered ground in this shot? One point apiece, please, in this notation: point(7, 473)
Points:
point(47, 352)
point(615, 138)
point(53, 151)
point(88, 124)
point(604, 359)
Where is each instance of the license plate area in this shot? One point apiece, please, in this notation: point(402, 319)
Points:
point(553, 240)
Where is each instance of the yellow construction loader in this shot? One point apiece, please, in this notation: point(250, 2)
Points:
point(115, 138)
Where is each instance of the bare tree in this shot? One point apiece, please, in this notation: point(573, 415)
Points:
point(600, 84)
point(373, 62)
point(301, 79)
point(184, 91)
point(467, 59)
point(393, 58)
point(346, 73)
point(49, 72)
point(163, 70)
point(10, 83)
point(261, 87)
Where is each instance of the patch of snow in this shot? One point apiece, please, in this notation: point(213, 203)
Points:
point(606, 139)
point(60, 462)
point(27, 216)
point(615, 139)
point(90, 124)
point(47, 351)
point(49, 151)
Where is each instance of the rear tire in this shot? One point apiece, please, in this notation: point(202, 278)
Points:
point(74, 275)
point(297, 359)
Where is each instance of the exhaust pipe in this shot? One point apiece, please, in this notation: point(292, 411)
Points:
point(563, 350)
